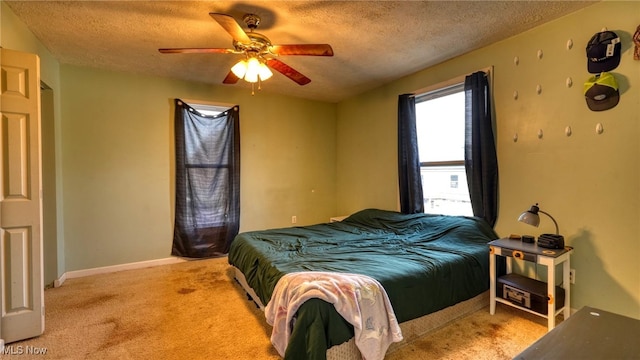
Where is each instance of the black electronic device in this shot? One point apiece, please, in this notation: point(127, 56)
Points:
point(528, 239)
point(551, 241)
point(528, 293)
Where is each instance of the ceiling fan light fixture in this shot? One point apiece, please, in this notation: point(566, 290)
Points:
point(264, 72)
point(253, 70)
point(240, 69)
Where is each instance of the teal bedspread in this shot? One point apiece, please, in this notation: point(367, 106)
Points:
point(425, 263)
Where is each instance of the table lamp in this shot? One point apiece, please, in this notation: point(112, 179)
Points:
point(531, 217)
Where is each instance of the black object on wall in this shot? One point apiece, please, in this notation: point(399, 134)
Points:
point(207, 215)
point(480, 157)
point(409, 177)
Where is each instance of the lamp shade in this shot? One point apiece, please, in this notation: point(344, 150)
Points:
point(253, 70)
point(531, 216)
point(264, 72)
point(239, 69)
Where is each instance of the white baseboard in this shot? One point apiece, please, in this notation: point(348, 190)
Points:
point(59, 281)
point(114, 268)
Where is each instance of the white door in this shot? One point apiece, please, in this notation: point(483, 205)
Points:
point(21, 271)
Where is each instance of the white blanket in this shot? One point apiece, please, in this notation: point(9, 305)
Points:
point(359, 299)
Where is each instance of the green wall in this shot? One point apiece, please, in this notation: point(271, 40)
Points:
point(119, 168)
point(590, 183)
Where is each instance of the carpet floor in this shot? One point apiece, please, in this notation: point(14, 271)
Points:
point(195, 310)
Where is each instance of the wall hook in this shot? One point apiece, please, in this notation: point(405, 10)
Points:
point(569, 44)
point(569, 82)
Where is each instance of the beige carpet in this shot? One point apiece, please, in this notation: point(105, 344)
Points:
point(194, 310)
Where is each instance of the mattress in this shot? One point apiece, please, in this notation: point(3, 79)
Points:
point(425, 263)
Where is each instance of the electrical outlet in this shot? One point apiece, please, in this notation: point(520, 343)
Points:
point(572, 276)
point(294, 219)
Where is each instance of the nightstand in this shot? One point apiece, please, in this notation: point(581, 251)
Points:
point(519, 250)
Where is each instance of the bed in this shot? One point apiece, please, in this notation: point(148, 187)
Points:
point(426, 263)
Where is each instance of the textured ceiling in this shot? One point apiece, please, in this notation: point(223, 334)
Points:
point(374, 42)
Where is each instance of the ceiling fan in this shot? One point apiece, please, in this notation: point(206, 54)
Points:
point(259, 53)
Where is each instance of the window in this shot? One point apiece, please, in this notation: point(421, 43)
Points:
point(208, 168)
point(207, 179)
point(454, 181)
point(209, 110)
point(440, 121)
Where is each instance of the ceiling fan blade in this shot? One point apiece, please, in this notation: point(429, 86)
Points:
point(231, 78)
point(197, 51)
point(231, 25)
point(302, 49)
point(288, 71)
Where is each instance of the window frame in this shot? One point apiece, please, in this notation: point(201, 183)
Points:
point(208, 108)
point(435, 94)
point(450, 87)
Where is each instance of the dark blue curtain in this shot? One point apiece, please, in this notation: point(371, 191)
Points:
point(410, 181)
point(480, 161)
point(207, 214)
